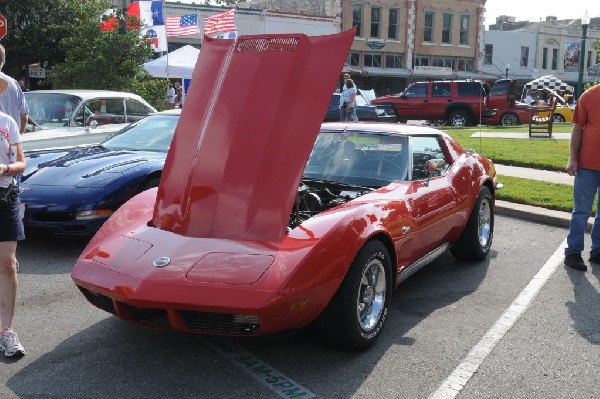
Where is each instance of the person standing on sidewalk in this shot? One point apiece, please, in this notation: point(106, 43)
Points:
point(584, 164)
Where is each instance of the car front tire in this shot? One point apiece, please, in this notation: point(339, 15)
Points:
point(558, 118)
point(355, 317)
point(475, 241)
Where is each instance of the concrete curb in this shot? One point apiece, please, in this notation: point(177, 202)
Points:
point(536, 214)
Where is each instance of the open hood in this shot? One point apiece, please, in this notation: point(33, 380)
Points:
point(238, 154)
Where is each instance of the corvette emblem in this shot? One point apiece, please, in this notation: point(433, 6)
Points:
point(161, 262)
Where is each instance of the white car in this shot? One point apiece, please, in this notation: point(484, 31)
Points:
point(60, 118)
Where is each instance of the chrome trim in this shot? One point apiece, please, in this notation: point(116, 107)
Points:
point(418, 265)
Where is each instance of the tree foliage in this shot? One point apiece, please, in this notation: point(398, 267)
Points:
point(65, 37)
point(36, 29)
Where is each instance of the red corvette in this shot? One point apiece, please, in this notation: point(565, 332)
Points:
point(267, 221)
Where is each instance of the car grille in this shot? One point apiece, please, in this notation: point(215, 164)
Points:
point(200, 322)
point(100, 301)
point(149, 316)
point(53, 217)
point(219, 323)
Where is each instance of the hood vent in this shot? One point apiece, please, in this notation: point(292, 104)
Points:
point(267, 44)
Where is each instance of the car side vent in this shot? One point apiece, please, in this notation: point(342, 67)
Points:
point(273, 45)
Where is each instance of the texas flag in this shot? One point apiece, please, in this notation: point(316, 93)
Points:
point(150, 13)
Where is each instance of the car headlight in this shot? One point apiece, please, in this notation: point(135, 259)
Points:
point(93, 214)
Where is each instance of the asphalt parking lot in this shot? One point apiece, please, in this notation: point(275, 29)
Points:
point(548, 347)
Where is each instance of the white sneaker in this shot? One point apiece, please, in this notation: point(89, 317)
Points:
point(9, 343)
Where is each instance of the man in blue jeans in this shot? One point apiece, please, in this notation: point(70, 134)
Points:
point(584, 164)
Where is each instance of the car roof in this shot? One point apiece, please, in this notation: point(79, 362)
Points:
point(379, 127)
point(85, 94)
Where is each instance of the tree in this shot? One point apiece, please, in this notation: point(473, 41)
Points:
point(36, 29)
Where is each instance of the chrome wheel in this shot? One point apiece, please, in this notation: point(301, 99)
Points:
point(509, 120)
point(371, 295)
point(485, 222)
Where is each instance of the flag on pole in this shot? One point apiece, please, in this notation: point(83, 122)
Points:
point(150, 13)
point(219, 23)
point(157, 36)
point(182, 26)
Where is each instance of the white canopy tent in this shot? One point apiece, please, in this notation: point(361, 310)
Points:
point(179, 63)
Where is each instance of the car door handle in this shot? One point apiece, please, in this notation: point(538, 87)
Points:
point(449, 101)
point(425, 101)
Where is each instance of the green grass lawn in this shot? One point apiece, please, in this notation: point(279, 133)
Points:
point(539, 153)
point(546, 154)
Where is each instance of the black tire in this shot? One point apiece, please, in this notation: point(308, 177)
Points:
point(509, 119)
point(459, 118)
point(150, 183)
point(558, 118)
point(476, 239)
point(344, 323)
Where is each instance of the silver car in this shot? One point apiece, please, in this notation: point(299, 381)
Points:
point(59, 118)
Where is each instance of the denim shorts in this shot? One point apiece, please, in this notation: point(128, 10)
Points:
point(11, 224)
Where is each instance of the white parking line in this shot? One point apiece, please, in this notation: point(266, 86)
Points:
point(461, 375)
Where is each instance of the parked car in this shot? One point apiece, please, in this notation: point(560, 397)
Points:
point(510, 112)
point(73, 117)
point(364, 111)
point(251, 232)
point(458, 102)
point(73, 191)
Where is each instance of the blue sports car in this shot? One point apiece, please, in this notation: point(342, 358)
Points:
point(73, 191)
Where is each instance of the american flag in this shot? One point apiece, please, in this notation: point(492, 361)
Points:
point(182, 26)
point(219, 23)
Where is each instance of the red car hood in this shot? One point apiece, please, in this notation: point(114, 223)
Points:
point(238, 154)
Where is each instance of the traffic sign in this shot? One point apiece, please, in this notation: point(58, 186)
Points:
point(3, 27)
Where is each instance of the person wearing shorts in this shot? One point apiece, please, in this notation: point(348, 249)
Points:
point(12, 163)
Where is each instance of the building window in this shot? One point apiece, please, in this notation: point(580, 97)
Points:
point(488, 54)
point(554, 59)
point(354, 59)
point(465, 21)
point(545, 58)
point(428, 26)
point(375, 21)
point(445, 62)
point(466, 65)
point(357, 18)
point(447, 28)
point(394, 60)
point(373, 60)
point(524, 56)
point(589, 59)
point(393, 24)
point(422, 60)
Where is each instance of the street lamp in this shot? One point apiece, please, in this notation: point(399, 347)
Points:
point(507, 68)
point(585, 20)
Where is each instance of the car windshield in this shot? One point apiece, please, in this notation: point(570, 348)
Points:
point(50, 110)
point(153, 133)
point(364, 159)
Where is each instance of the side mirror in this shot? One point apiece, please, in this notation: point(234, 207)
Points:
point(435, 166)
point(93, 124)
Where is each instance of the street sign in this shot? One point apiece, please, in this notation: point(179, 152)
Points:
point(39, 73)
point(3, 27)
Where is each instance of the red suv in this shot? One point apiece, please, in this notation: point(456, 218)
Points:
point(456, 103)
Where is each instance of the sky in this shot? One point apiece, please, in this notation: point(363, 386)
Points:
point(533, 10)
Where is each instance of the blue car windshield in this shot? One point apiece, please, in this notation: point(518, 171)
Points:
point(360, 158)
point(153, 133)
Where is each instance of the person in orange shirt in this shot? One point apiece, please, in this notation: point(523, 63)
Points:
point(584, 164)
